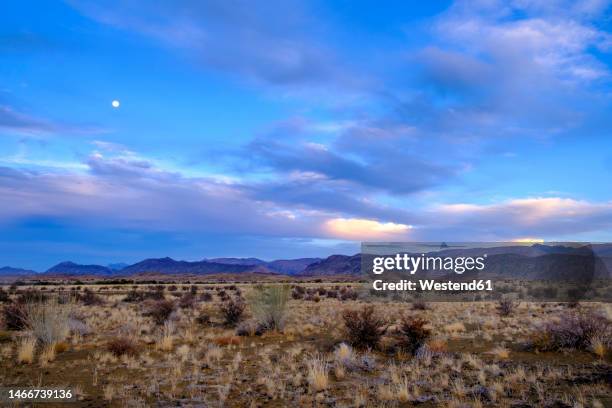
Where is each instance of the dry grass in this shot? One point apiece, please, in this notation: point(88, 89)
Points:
point(466, 361)
point(317, 373)
point(25, 353)
point(166, 339)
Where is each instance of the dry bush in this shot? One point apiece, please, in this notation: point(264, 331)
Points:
point(122, 346)
point(187, 301)
point(203, 319)
point(573, 330)
point(506, 306)
point(269, 305)
point(348, 294)
point(419, 305)
point(206, 297)
point(31, 296)
point(298, 292)
point(232, 311)
point(90, 299)
point(49, 321)
point(413, 333)
point(332, 294)
point(364, 327)
point(133, 296)
point(4, 296)
point(160, 311)
point(250, 328)
point(14, 316)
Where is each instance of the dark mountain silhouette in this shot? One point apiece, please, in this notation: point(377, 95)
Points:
point(291, 266)
point(71, 268)
point(237, 261)
point(171, 267)
point(282, 266)
point(515, 261)
point(10, 271)
point(334, 265)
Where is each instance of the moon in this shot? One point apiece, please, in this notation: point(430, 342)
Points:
point(115, 103)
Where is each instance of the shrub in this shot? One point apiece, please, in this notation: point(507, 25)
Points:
point(4, 297)
point(32, 296)
point(505, 307)
point(364, 327)
point(296, 295)
point(223, 296)
point(413, 333)
point(203, 319)
point(90, 299)
point(269, 305)
point(187, 301)
point(573, 330)
point(48, 321)
point(250, 328)
point(206, 297)
point(348, 294)
point(419, 305)
point(332, 294)
point(160, 311)
point(14, 316)
point(232, 310)
point(133, 296)
point(121, 346)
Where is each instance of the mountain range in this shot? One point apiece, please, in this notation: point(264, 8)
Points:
point(525, 262)
point(169, 266)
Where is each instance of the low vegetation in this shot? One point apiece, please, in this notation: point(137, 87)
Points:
point(275, 345)
point(364, 326)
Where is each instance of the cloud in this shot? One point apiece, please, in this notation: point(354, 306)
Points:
point(359, 159)
point(132, 193)
point(13, 121)
point(526, 217)
point(273, 42)
point(363, 229)
point(19, 123)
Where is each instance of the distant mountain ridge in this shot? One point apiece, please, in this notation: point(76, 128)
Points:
point(526, 262)
point(169, 266)
point(9, 271)
point(334, 265)
point(172, 267)
point(71, 268)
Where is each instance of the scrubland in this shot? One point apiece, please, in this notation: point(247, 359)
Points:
point(321, 344)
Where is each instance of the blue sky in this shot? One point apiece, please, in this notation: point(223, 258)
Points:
point(293, 128)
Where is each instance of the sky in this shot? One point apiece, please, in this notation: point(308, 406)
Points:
point(286, 129)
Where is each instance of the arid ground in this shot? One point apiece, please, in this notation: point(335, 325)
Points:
point(304, 344)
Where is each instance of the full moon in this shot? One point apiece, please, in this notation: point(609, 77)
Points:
point(115, 103)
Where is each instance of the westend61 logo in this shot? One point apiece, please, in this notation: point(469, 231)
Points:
point(412, 264)
point(487, 270)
